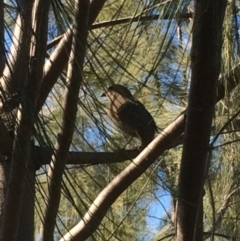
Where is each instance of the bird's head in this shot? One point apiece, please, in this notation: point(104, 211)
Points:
point(114, 91)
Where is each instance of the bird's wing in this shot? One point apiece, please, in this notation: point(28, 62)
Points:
point(136, 116)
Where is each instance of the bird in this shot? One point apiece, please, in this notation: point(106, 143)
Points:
point(130, 115)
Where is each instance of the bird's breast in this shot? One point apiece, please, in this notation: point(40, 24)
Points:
point(120, 115)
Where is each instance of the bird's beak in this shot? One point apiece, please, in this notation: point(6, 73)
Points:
point(104, 94)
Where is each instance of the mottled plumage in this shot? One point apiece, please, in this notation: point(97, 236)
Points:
point(130, 115)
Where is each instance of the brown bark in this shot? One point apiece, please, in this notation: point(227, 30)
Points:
point(37, 53)
point(19, 162)
point(59, 58)
point(20, 77)
point(42, 155)
point(74, 80)
point(206, 62)
point(2, 47)
point(13, 74)
point(26, 224)
point(4, 177)
point(39, 39)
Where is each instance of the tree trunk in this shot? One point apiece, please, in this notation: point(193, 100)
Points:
point(4, 177)
point(26, 223)
point(206, 63)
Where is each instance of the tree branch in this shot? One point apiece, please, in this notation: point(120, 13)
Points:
point(2, 47)
point(59, 57)
point(74, 79)
point(206, 62)
point(21, 151)
point(42, 156)
point(113, 22)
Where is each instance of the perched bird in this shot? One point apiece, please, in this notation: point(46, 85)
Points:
point(130, 115)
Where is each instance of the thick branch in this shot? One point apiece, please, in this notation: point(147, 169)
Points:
point(59, 57)
point(22, 140)
point(2, 47)
point(74, 79)
point(13, 76)
point(37, 53)
point(206, 62)
point(39, 38)
point(54, 67)
point(42, 156)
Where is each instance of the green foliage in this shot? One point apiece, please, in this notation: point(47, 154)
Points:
point(150, 59)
